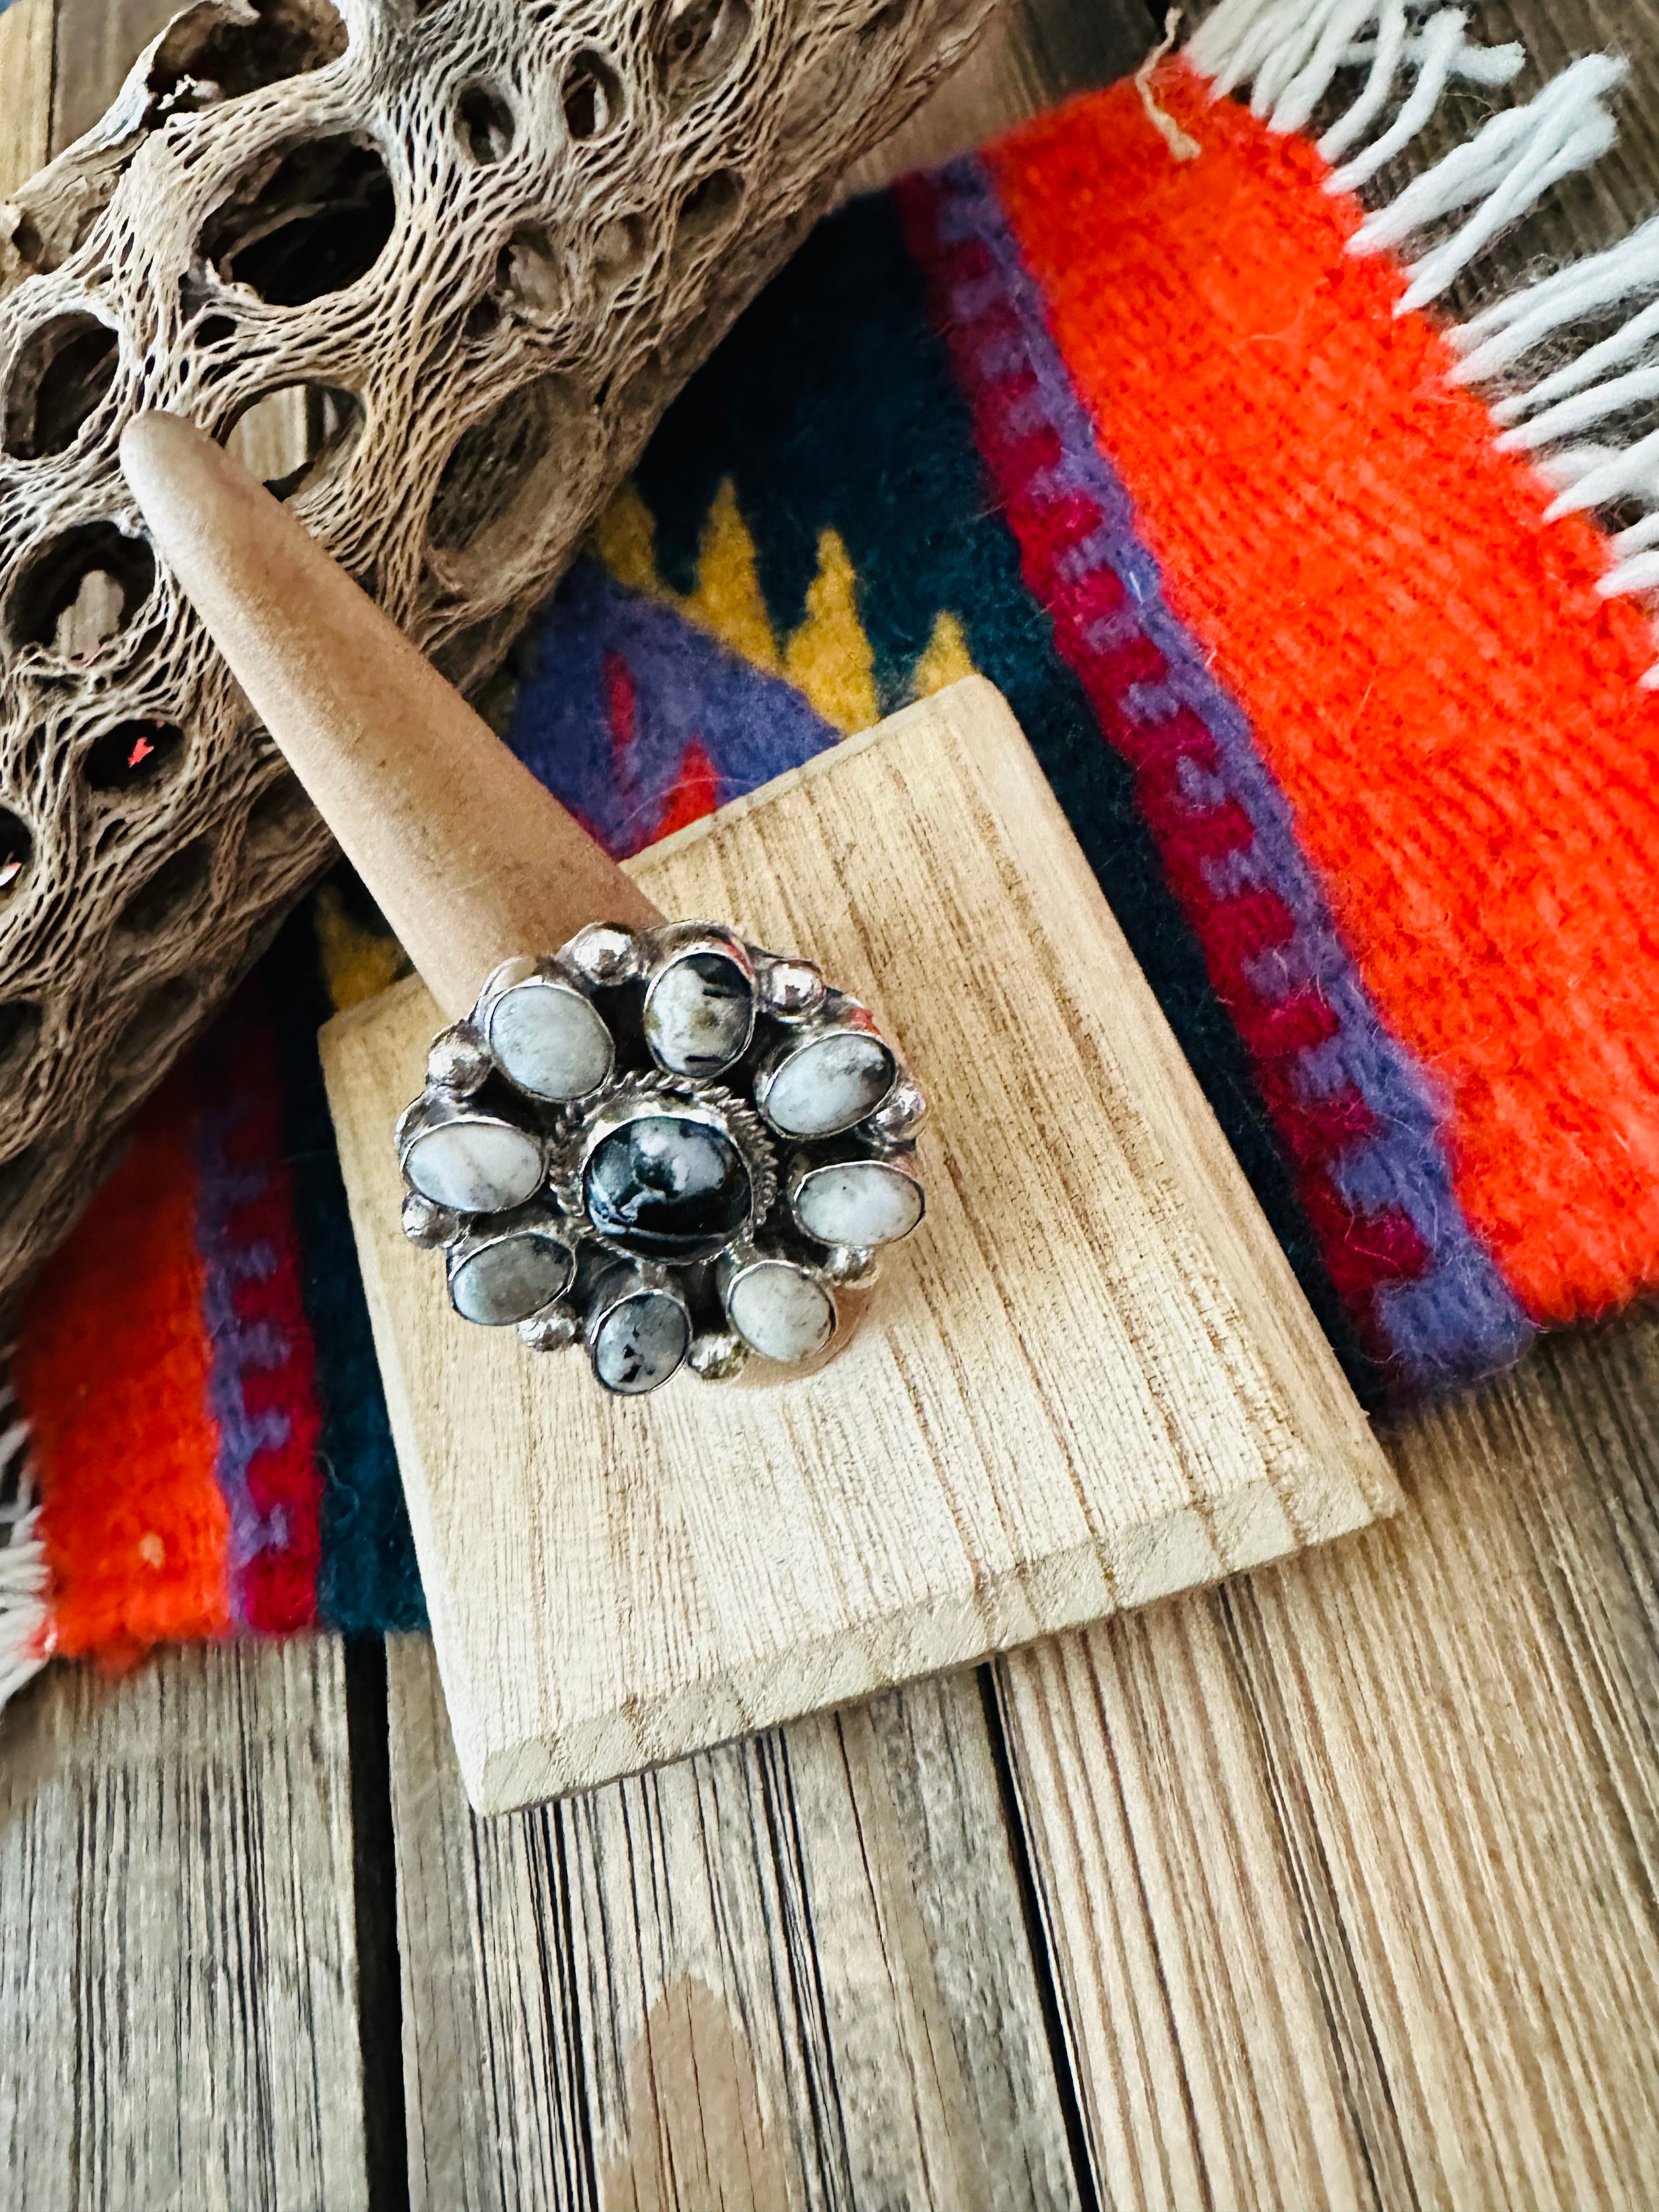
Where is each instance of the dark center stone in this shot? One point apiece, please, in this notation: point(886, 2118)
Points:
point(699, 1015)
point(665, 1187)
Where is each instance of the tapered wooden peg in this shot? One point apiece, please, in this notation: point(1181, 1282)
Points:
point(576, 1229)
point(471, 860)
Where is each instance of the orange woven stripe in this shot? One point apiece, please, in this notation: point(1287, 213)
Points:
point(1451, 709)
point(113, 1371)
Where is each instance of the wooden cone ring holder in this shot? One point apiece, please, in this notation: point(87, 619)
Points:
point(471, 859)
point(1092, 1379)
point(475, 864)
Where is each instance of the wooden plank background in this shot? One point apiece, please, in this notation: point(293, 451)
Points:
point(1336, 1885)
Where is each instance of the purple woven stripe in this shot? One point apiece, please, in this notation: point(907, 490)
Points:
point(1458, 1318)
point(239, 1348)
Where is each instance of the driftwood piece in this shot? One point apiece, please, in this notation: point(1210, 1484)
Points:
point(437, 271)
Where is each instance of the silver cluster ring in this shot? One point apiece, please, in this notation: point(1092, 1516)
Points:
point(667, 1145)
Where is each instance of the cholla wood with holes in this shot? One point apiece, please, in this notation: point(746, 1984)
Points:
point(435, 272)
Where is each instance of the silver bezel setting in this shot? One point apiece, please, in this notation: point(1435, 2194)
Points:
point(836, 1016)
point(624, 1285)
point(614, 970)
point(485, 1232)
point(736, 1267)
point(806, 1167)
point(506, 983)
point(434, 1110)
point(671, 948)
point(633, 1098)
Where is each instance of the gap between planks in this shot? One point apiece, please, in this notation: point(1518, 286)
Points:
point(550, 1956)
point(1572, 1435)
point(789, 1972)
point(1348, 1868)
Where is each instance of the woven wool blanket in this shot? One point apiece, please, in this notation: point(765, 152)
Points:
point(1298, 590)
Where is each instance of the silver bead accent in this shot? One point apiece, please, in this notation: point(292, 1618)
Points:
point(718, 1356)
point(426, 1223)
point(459, 1060)
point(852, 1267)
point(551, 1331)
point(899, 1115)
point(791, 990)
point(603, 954)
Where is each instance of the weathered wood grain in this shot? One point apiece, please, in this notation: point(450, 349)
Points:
point(27, 47)
point(1348, 1868)
point(1305, 2099)
point(98, 42)
point(178, 1971)
point(1092, 1380)
point(789, 1973)
point(504, 2106)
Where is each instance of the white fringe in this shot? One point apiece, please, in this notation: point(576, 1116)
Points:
point(1290, 52)
point(1510, 163)
point(25, 1616)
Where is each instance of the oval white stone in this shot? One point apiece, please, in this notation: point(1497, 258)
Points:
point(475, 1167)
point(699, 1014)
point(861, 1202)
point(549, 1041)
point(510, 1280)
point(640, 1342)
point(780, 1311)
point(829, 1083)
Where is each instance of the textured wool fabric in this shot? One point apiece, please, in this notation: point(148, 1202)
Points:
point(1452, 712)
point(1359, 752)
point(113, 1370)
point(1355, 1118)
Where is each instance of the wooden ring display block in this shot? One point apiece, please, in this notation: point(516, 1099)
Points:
point(1089, 1380)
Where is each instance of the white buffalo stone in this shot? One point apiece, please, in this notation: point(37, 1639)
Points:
point(510, 1278)
point(474, 1166)
point(781, 1311)
point(549, 1041)
point(699, 1015)
point(640, 1342)
point(829, 1083)
point(859, 1202)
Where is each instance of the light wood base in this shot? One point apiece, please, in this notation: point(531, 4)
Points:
point(1090, 1379)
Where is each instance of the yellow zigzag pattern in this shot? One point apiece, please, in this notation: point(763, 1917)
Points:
point(827, 659)
point(358, 963)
